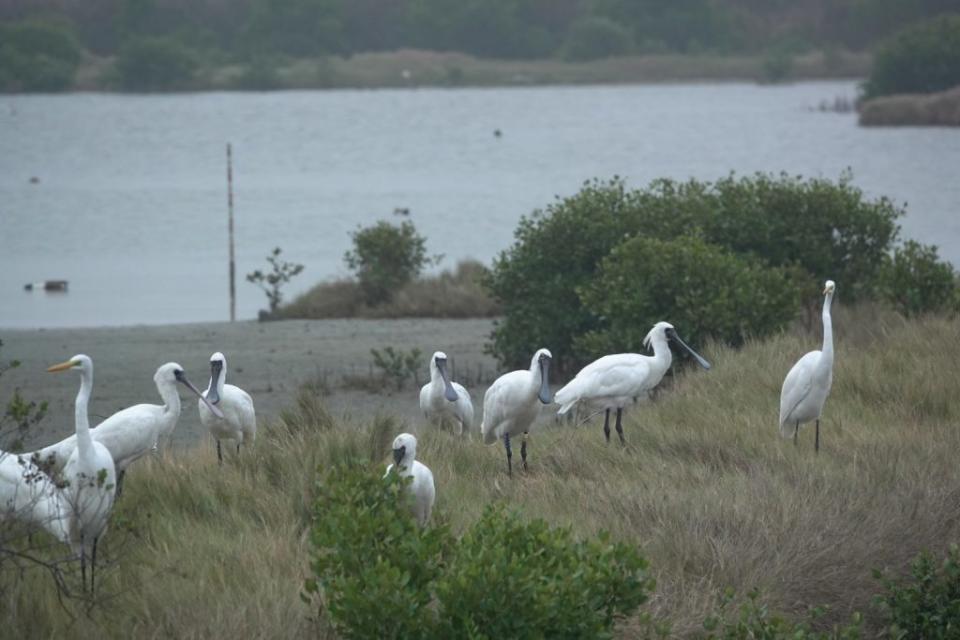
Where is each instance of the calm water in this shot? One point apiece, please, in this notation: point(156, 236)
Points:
point(130, 205)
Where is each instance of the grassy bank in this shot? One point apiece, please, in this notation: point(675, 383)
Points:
point(450, 294)
point(706, 488)
point(914, 110)
point(414, 68)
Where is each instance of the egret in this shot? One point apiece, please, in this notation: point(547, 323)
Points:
point(29, 495)
point(441, 398)
point(512, 403)
point(133, 432)
point(807, 385)
point(614, 381)
point(91, 477)
point(237, 420)
point(422, 489)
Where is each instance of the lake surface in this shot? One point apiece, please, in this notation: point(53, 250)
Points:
point(130, 203)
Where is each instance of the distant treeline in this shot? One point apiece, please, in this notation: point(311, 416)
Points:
point(575, 29)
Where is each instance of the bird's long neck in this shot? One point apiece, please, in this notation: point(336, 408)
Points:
point(84, 440)
point(827, 349)
point(662, 357)
point(536, 376)
point(171, 399)
point(221, 380)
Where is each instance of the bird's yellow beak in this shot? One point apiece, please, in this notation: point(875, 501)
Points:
point(63, 366)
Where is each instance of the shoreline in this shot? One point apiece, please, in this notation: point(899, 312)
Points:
point(270, 360)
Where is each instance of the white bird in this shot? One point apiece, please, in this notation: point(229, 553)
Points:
point(512, 404)
point(441, 398)
point(237, 420)
point(29, 496)
point(133, 432)
point(614, 381)
point(91, 477)
point(807, 385)
point(422, 489)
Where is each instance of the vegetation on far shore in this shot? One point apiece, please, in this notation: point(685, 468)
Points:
point(166, 45)
point(706, 489)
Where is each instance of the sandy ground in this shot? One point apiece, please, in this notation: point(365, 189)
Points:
point(268, 360)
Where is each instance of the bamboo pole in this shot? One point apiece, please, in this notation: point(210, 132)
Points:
point(233, 286)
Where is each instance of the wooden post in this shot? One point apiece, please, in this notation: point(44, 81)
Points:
point(233, 274)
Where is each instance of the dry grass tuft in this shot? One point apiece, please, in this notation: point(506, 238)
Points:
point(456, 294)
point(706, 487)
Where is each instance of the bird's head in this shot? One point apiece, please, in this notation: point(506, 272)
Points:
point(438, 363)
point(80, 362)
point(666, 332)
point(404, 449)
point(541, 363)
point(218, 366)
point(169, 374)
point(829, 287)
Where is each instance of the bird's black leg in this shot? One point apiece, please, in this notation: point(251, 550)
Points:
point(506, 443)
point(523, 450)
point(238, 448)
point(93, 568)
point(83, 564)
point(816, 443)
point(620, 426)
point(219, 454)
point(796, 429)
point(119, 489)
point(606, 426)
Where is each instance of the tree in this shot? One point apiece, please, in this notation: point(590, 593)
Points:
point(37, 56)
point(920, 59)
point(281, 273)
point(385, 257)
point(155, 64)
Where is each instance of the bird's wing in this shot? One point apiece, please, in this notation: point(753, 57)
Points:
point(131, 433)
point(464, 406)
point(494, 403)
point(611, 376)
point(796, 386)
point(425, 399)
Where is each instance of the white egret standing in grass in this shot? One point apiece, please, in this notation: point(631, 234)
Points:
point(422, 488)
point(512, 403)
point(440, 398)
point(614, 381)
point(91, 477)
point(133, 432)
point(237, 421)
point(807, 385)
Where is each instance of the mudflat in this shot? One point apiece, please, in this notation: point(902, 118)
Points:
point(269, 360)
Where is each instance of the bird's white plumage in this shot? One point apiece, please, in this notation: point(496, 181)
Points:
point(89, 472)
point(133, 432)
point(614, 381)
point(239, 421)
point(422, 489)
point(512, 403)
point(28, 495)
point(435, 405)
point(807, 385)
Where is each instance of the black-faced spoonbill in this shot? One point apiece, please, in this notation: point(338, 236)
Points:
point(91, 475)
point(421, 487)
point(614, 381)
point(807, 385)
point(237, 420)
point(440, 398)
point(512, 403)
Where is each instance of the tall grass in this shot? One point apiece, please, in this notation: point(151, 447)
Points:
point(451, 294)
point(706, 487)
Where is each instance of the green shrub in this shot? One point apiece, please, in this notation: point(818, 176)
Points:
point(385, 257)
point(397, 365)
point(916, 281)
point(155, 64)
point(920, 59)
point(379, 575)
point(704, 290)
point(753, 620)
point(927, 605)
point(827, 229)
point(37, 56)
point(271, 282)
point(596, 37)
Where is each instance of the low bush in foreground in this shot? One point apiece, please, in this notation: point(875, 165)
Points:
point(379, 575)
point(927, 603)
